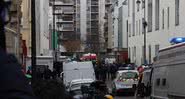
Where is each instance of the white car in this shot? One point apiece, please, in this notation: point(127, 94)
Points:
point(76, 84)
point(75, 87)
point(125, 82)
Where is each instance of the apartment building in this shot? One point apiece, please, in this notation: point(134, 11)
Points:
point(13, 36)
point(164, 21)
point(119, 28)
point(108, 31)
point(81, 20)
point(26, 24)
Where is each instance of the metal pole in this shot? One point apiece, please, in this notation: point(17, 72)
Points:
point(2, 35)
point(18, 30)
point(2, 32)
point(54, 49)
point(144, 24)
point(33, 43)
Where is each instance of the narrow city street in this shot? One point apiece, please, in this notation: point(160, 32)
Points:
point(128, 97)
point(124, 96)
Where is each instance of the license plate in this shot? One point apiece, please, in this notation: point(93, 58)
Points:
point(126, 86)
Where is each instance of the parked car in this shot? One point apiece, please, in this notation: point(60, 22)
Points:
point(125, 82)
point(75, 87)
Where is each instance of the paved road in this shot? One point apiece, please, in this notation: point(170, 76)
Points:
point(123, 96)
point(128, 97)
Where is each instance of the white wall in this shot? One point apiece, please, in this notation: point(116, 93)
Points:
point(83, 19)
point(101, 20)
point(161, 36)
point(124, 24)
point(110, 31)
point(115, 25)
point(42, 21)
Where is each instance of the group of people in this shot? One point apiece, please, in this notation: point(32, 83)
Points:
point(106, 71)
point(46, 74)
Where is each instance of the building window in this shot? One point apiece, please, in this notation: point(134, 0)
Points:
point(143, 4)
point(150, 15)
point(176, 12)
point(150, 54)
point(134, 54)
point(133, 18)
point(128, 8)
point(164, 82)
point(138, 6)
point(143, 29)
point(127, 27)
point(130, 30)
point(120, 29)
point(139, 27)
point(168, 17)
point(156, 50)
point(158, 82)
point(136, 27)
point(143, 50)
point(163, 19)
point(129, 52)
point(157, 7)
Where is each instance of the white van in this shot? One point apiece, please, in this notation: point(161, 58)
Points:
point(168, 71)
point(77, 70)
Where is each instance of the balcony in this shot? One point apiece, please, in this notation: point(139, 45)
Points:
point(65, 27)
point(94, 26)
point(94, 12)
point(108, 2)
point(95, 2)
point(64, 2)
point(66, 35)
point(65, 18)
point(64, 21)
point(94, 9)
point(64, 10)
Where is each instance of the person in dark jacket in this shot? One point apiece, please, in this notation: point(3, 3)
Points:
point(13, 83)
point(47, 73)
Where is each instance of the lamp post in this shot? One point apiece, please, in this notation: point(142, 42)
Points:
point(144, 26)
point(118, 36)
point(54, 31)
point(33, 42)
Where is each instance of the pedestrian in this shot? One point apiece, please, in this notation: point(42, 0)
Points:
point(54, 74)
point(97, 72)
point(104, 72)
point(39, 74)
point(29, 71)
point(47, 73)
point(13, 84)
point(109, 71)
point(112, 71)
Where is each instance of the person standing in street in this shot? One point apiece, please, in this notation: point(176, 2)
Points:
point(47, 73)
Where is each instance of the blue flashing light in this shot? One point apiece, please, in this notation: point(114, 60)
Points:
point(177, 40)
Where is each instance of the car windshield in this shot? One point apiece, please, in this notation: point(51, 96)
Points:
point(129, 75)
point(78, 86)
point(77, 92)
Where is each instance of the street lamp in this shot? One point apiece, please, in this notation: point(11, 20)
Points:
point(144, 26)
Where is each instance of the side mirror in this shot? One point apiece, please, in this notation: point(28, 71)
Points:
point(67, 88)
